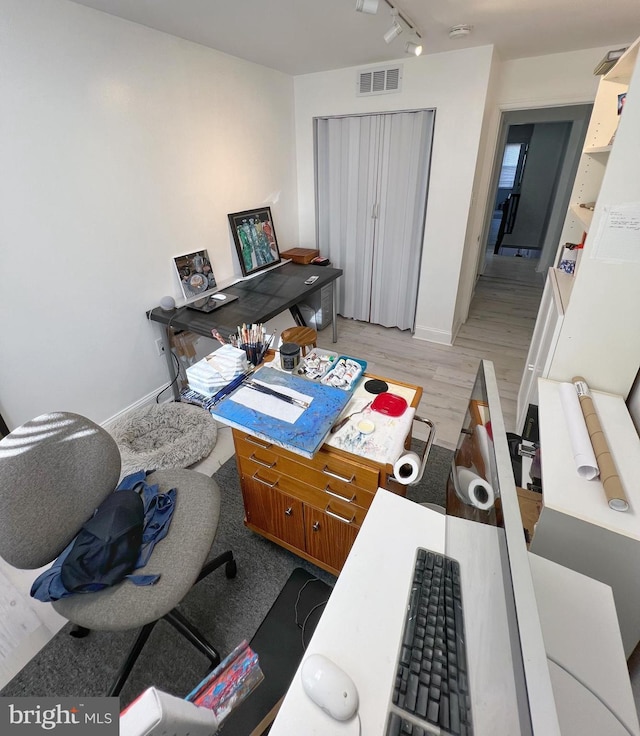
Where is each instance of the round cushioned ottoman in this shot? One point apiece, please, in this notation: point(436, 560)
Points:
point(170, 435)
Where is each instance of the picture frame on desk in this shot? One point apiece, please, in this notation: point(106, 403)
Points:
point(255, 239)
point(195, 273)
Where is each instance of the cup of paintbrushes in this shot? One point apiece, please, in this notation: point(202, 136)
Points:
point(253, 351)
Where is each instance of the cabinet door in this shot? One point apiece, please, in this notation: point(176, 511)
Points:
point(543, 342)
point(272, 511)
point(329, 538)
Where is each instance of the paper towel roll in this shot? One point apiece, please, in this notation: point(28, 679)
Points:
point(474, 490)
point(406, 469)
point(583, 454)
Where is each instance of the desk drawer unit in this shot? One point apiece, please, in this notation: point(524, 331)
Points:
point(315, 506)
point(312, 506)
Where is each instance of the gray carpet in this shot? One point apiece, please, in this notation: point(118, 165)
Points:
point(225, 611)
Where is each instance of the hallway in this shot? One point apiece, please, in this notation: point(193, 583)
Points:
point(499, 328)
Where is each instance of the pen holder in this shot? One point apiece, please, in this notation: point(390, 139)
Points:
point(253, 352)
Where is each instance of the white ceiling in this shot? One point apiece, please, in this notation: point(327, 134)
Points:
point(302, 36)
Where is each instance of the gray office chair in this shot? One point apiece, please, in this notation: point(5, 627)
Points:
point(54, 472)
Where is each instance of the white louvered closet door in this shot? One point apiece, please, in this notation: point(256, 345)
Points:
point(371, 188)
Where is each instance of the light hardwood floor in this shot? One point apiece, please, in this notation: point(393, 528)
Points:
point(499, 328)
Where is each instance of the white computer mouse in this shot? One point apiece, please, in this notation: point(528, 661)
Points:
point(329, 687)
point(219, 297)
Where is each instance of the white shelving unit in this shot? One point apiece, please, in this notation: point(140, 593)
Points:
point(576, 528)
point(586, 327)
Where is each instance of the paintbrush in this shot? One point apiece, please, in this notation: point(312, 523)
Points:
point(272, 392)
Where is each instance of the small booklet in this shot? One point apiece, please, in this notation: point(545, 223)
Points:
point(230, 683)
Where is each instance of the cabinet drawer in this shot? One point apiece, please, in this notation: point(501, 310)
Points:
point(328, 465)
point(341, 509)
point(301, 476)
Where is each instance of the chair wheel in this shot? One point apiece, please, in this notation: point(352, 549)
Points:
point(79, 632)
point(231, 569)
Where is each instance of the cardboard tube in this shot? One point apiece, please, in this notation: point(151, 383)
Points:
point(611, 482)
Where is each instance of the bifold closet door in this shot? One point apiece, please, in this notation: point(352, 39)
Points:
point(371, 182)
point(346, 185)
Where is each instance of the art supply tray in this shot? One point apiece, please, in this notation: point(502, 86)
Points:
point(316, 364)
point(345, 374)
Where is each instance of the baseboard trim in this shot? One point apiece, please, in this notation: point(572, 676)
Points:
point(144, 401)
point(428, 334)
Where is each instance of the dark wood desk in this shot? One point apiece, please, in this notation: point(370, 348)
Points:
point(259, 299)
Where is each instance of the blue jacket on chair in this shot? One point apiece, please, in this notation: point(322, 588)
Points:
point(116, 540)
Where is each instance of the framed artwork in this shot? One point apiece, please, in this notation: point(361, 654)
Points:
point(195, 274)
point(255, 239)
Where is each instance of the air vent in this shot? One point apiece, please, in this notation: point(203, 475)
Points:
point(380, 81)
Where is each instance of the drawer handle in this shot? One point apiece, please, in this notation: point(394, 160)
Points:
point(261, 462)
point(288, 511)
point(340, 518)
point(316, 526)
point(337, 495)
point(265, 482)
point(336, 476)
point(253, 441)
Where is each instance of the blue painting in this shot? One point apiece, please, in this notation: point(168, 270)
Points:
point(306, 435)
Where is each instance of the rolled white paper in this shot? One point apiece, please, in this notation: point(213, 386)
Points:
point(474, 490)
point(483, 446)
point(583, 454)
point(406, 469)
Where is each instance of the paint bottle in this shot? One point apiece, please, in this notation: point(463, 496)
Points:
point(289, 356)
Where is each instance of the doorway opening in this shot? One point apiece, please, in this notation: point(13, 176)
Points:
point(535, 166)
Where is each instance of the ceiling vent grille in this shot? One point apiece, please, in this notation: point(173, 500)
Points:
point(380, 81)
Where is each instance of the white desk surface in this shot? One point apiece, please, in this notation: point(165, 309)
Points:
point(362, 624)
point(591, 650)
point(564, 491)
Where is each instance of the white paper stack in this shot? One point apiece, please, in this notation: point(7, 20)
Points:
point(210, 374)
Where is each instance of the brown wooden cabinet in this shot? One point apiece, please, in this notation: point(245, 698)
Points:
point(315, 506)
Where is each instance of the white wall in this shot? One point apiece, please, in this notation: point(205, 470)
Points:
point(455, 84)
point(120, 147)
point(520, 84)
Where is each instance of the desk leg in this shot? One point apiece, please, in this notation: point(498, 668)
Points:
point(170, 363)
point(334, 311)
point(297, 316)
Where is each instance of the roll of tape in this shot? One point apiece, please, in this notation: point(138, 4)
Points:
point(406, 469)
point(474, 490)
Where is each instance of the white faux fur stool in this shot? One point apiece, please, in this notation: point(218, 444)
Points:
point(170, 435)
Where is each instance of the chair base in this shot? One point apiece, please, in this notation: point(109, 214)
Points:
point(178, 621)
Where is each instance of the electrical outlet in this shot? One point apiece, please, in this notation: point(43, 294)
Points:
point(160, 346)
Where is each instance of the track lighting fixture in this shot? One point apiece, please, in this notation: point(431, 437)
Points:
point(367, 6)
point(397, 15)
point(395, 30)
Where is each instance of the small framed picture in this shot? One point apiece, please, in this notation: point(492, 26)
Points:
point(195, 274)
point(255, 239)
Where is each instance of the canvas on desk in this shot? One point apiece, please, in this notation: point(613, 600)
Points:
point(306, 435)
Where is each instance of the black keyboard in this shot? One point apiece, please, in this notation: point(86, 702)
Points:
point(431, 690)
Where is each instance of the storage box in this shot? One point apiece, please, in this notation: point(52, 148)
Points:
point(300, 255)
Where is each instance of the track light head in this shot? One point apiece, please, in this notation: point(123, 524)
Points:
point(395, 30)
point(367, 6)
point(413, 48)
